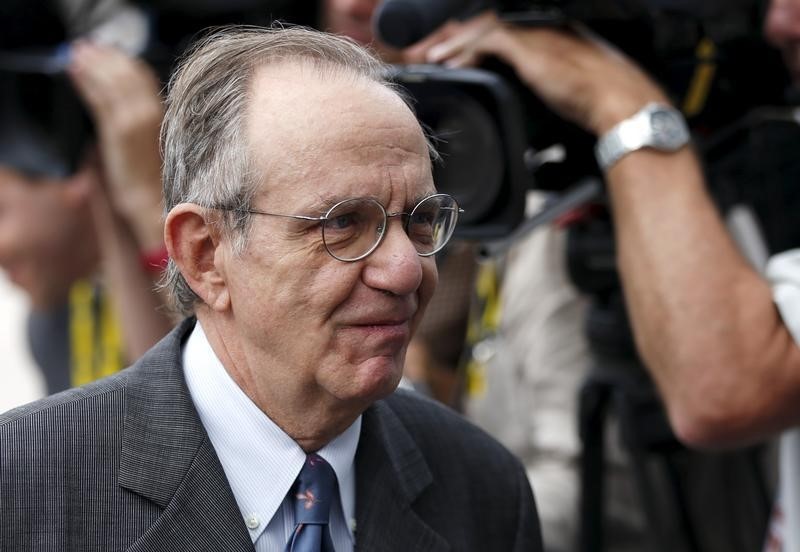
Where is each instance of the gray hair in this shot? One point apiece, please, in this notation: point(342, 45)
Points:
point(202, 138)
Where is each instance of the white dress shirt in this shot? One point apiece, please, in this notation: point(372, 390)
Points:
point(783, 271)
point(260, 461)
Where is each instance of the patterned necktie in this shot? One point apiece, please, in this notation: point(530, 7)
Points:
point(313, 493)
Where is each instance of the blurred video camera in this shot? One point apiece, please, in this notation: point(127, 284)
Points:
point(498, 140)
point(43, 127)
point(45, 130)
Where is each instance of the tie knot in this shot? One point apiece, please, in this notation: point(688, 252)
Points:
point(314, 491)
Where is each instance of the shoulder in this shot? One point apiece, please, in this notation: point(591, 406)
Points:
point(54, 443)
point(64, 433)
point(73, 403)
point(60, 466)
point(105, 396)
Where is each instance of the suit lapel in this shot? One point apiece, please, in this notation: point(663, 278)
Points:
point(167, 458)
point(391, 473)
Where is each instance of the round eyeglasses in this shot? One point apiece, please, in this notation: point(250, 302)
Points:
point(354, 228)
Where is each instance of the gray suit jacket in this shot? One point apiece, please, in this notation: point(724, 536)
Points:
point(125, 464)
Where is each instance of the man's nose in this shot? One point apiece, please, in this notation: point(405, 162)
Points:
point(395, 266)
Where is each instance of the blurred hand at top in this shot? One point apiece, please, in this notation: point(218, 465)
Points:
point(122, 94)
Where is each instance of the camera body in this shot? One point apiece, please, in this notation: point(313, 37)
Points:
point(44, 127)
point(473, 118)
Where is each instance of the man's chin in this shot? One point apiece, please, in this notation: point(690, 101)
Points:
point(376, 378)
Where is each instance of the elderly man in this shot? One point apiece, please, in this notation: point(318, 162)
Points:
point(302, 226)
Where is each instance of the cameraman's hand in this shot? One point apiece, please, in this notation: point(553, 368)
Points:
point(122, 94)
point(580, 78)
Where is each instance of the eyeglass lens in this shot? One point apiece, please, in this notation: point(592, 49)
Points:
point(355, 227)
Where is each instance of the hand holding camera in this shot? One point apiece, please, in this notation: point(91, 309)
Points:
point(583, 79)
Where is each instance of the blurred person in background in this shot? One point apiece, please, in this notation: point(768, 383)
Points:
point(599, 103)
point(87, 247)
point(531, 355)
point(720, 340)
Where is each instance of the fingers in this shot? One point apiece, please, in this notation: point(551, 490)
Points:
point(473, 40)
point(574, 73)
point(118, 89)
point(122, 94)
point(456, 44)
point(418, 53)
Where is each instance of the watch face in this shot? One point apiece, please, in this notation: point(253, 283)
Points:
point(669, 130)
point(655, 126)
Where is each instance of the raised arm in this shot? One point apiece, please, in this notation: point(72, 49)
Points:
point(122, 94)
point(704, 320)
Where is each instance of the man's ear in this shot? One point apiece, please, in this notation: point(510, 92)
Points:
point(192, 243)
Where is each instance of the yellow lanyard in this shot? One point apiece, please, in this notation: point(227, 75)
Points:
point(483, 325)
point(703, 78)
point(94, 335)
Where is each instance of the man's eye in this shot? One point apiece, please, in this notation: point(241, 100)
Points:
point(342, 222)
point(344, 226)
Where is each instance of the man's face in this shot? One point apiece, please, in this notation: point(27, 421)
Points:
point(46, 240)
point(333, 330)
point(782, 29)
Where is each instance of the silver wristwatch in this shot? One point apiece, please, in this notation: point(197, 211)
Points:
point(656, 126)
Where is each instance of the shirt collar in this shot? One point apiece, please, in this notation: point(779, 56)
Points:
point(260, 460)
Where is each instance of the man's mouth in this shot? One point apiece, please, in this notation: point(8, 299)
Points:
point(382, 324)
point(384, 330)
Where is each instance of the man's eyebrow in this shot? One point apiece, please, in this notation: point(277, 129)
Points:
point(323, 202)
